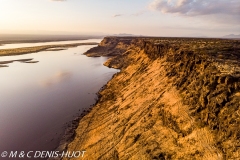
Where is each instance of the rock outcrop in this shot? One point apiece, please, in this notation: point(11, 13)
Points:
point(174, 98)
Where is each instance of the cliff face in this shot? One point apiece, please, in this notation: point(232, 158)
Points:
point(173, 99)
point(110, 46)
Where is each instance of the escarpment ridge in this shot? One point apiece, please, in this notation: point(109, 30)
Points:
point(174, 98)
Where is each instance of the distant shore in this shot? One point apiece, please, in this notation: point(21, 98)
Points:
point(37, 38)
point(3, 42)
point(26, 50)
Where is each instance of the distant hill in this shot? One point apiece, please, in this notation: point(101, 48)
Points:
point(232, 36)
point(125, 35)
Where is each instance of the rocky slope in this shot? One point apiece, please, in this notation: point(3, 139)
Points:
point(174, 98)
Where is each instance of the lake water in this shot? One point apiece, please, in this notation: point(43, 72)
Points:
point(37, 99)
point(21, 45)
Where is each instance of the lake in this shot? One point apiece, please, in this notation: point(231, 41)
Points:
point(38, 99)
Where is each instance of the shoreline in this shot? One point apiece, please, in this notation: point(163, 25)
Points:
point(27, 50)
point(69, 131)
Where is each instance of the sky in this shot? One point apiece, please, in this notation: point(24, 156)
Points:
point(212, 18)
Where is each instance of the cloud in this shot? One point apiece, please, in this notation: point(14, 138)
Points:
point(139, 13)
point(117, 15)
point(58, 77)
point(197, 7)
point(226, 12)
point(134, 14)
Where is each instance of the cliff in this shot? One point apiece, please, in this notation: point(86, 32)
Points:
point(174, 98)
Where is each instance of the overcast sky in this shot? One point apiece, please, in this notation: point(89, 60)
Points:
point(140, 17)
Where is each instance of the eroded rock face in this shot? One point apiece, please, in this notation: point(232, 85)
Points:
point(110, 46)
point(174, 98)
